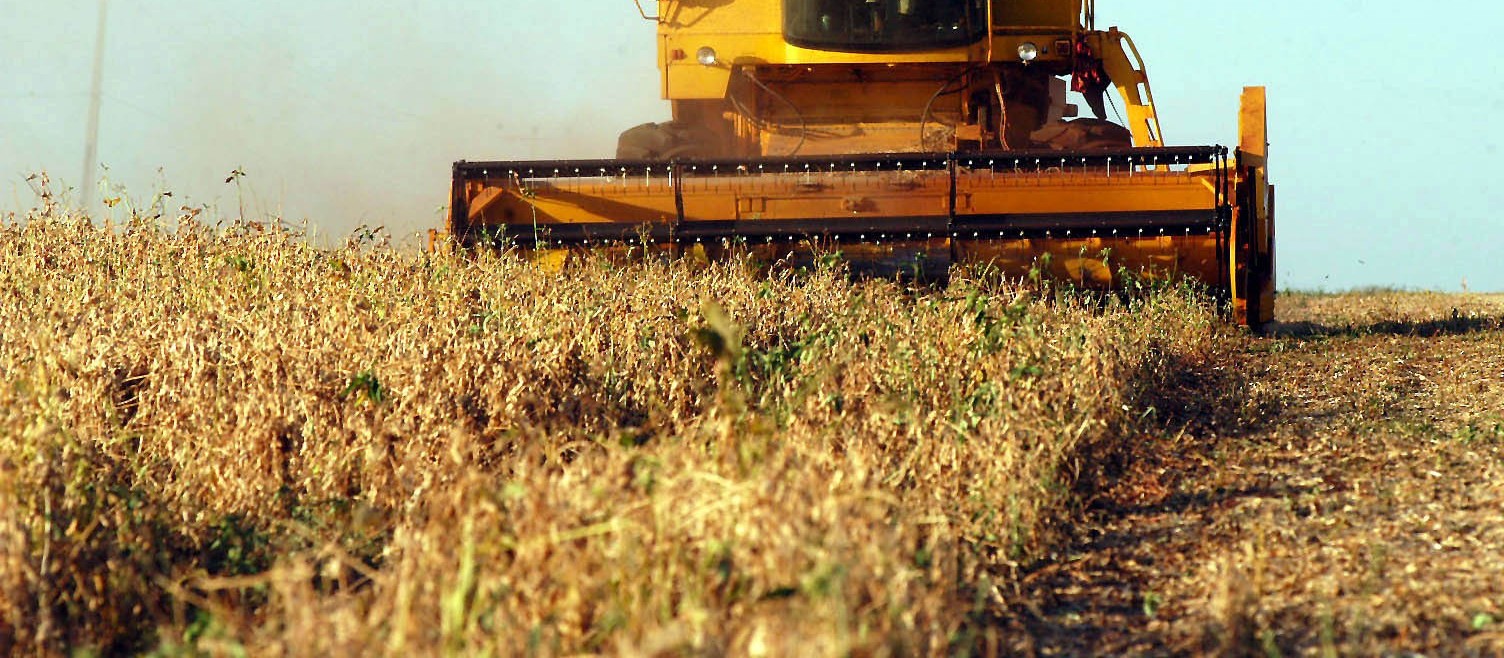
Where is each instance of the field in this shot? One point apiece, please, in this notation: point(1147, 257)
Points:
point(223, 441)
point(1334, 489)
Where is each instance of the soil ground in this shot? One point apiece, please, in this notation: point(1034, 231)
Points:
point(1333, 488)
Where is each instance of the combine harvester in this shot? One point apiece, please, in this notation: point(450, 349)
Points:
point(905, 135)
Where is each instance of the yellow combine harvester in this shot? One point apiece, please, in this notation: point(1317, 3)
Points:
point(906, 135)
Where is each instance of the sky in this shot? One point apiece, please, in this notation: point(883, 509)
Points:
point(1384, 141)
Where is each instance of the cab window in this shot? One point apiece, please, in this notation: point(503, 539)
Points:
point(884, 25)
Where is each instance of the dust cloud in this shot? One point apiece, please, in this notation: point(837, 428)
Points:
point(340, 113)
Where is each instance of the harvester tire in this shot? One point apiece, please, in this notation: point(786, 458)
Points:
point(663, 141)
point(1082, 134)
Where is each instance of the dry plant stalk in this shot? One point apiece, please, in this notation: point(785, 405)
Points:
point(224, 440)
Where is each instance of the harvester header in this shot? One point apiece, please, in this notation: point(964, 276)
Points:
point(906, 135)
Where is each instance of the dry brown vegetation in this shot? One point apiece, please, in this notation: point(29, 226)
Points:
point(222, 441)
point(1337, 489)
point(226, 441)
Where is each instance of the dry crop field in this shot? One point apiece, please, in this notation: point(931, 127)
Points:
point(222, 441)
point(1335, 489)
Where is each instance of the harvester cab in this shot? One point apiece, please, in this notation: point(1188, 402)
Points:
point(906, 135)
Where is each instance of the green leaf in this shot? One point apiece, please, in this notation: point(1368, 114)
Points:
point(1483, 620)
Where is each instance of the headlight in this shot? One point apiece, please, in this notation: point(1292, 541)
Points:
point(1028, 52)
point(706, 56)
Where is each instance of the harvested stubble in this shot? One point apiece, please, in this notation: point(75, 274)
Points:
point(229, 440)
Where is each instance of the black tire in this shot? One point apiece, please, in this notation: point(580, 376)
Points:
point(1082, 134)
point(663, 141)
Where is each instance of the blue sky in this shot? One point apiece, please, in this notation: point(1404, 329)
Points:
point(349, 112)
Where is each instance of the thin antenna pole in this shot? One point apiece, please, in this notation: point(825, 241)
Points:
point(96, 97)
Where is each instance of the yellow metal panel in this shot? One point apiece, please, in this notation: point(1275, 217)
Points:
point(1047, 193)
point(817, 196)
point(1253, 292)
point(1253, 126)
point(838, 196)
point(688, 79)
point(583, 202)
point(770, 48)
point(723, 17)
point(692, 81)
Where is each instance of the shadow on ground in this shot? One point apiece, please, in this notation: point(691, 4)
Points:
point(1457, 325)
point(1213, 396)
point(1089, 598)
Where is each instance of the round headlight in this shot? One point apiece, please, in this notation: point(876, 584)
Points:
point(1028, 52)
point(706, 56)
